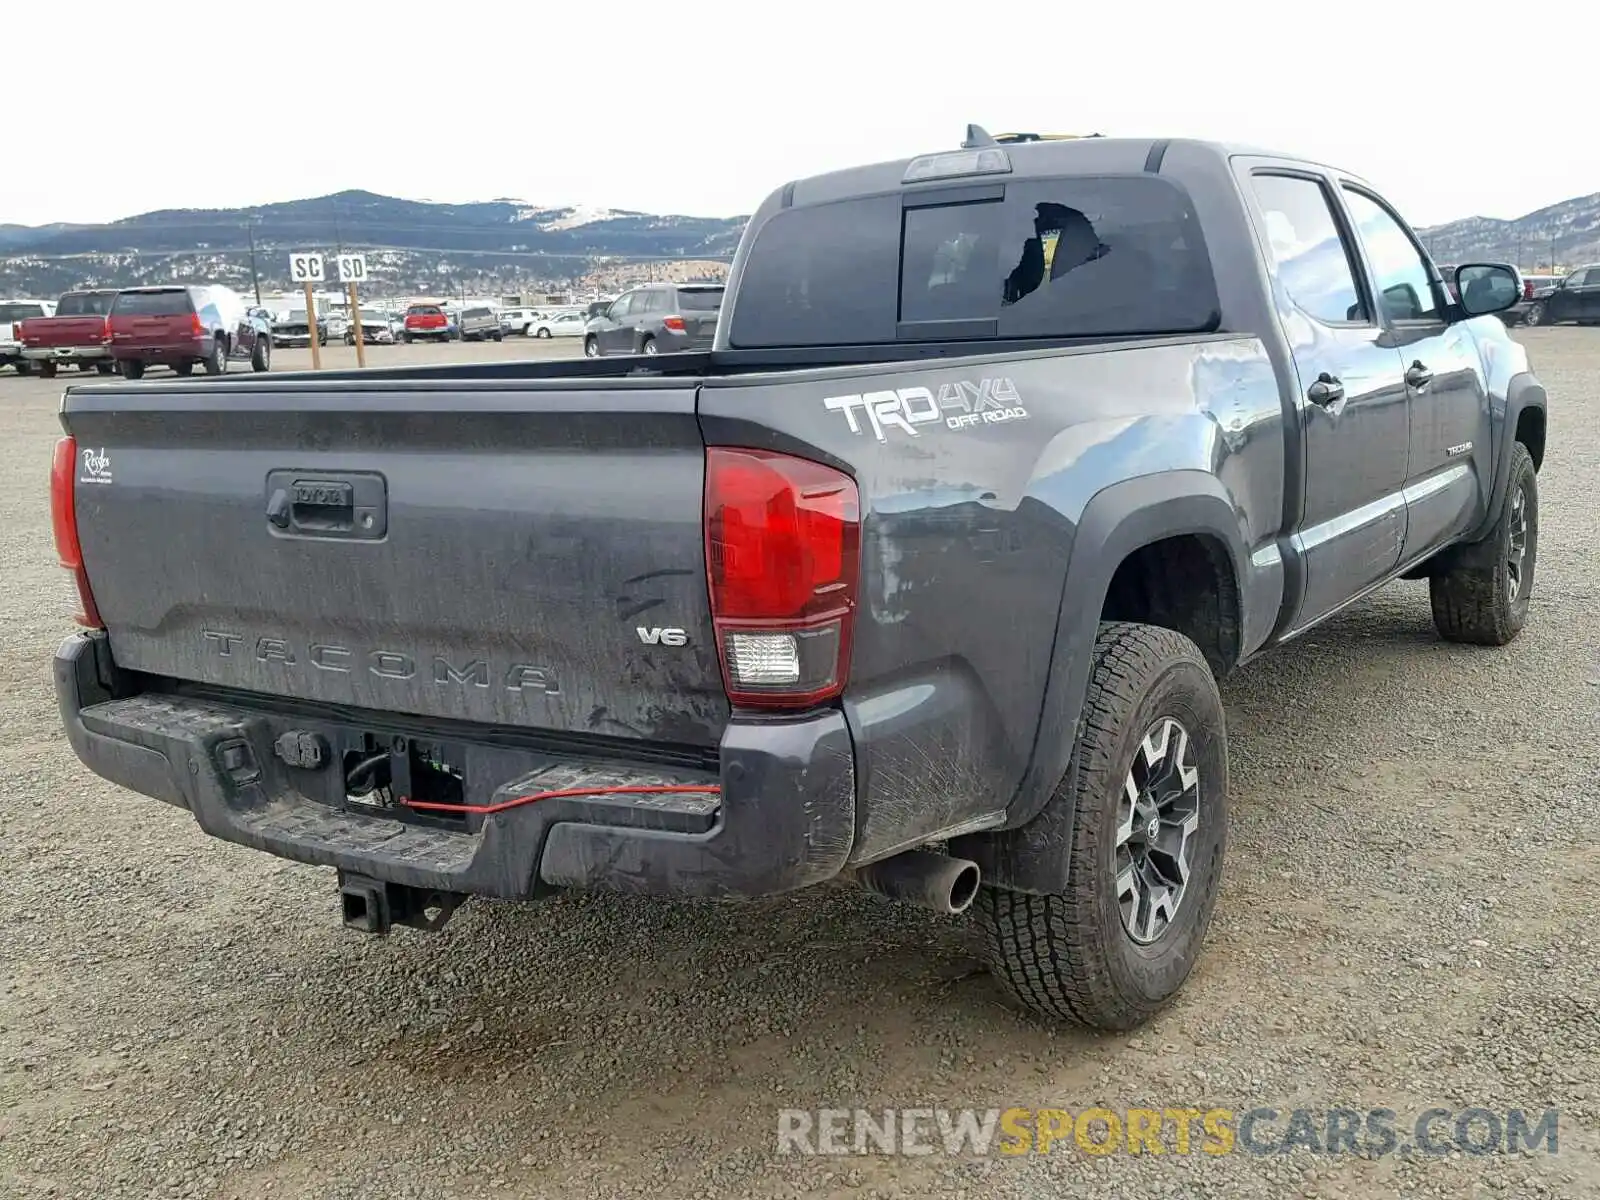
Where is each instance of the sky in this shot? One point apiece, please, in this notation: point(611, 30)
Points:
point(704, 107)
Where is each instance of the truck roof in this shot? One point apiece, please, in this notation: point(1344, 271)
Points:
point(1049, 155)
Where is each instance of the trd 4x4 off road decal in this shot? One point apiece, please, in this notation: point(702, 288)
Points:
point(962, 404)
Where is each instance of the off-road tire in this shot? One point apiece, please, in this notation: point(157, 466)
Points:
point(1473, 600)
point(132, 368)
point(183, 368)
point(105, 368)
point(23, 366)
point(1068, 956)
point(261, 354)
point(47, 369)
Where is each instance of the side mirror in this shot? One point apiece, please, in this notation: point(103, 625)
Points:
point(1486, 288)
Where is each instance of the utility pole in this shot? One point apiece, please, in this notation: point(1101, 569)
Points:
point(255, 276)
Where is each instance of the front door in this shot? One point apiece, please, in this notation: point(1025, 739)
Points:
point(1352, 395)
point(1567, 302)
point(1451, 468)
point(616, 335)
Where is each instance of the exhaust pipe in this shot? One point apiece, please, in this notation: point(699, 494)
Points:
point(936, 881)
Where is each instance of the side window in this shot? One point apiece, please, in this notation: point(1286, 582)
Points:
point(1403, 287)
point(1313, 262)
point(662, 301)
point(620, 307)
point(1577, 279)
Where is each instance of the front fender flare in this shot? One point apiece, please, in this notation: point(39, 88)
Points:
point(1030, 854)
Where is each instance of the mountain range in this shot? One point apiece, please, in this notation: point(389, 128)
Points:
point(504, 246)
point(411, 245)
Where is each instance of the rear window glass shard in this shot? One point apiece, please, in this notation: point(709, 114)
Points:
point(1073, 256)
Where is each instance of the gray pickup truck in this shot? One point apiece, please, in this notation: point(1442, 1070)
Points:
point(921, 578)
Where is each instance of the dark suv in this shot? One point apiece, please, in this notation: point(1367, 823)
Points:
point(181, 326)
point(1575, 298)
point(659, 318)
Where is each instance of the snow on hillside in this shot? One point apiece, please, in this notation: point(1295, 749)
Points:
point(571, 218)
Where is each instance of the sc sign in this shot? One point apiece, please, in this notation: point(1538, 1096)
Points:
point(352, 268)
point(305, 268)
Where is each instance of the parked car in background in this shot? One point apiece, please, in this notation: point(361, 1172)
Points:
point(568, 324)
point(336, 323)
point(78, 335)
point(429, 322)
point(658, 318)
point(1575, 297)
point(12, 314)
point(519, 320)
point(294, 329)
point(377, 328)
point(481, 324)
point(179, 326)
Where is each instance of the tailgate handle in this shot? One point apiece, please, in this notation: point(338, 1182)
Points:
point(342, 505)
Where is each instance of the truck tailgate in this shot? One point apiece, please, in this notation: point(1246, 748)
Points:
point(50, 332)
point(527, 556)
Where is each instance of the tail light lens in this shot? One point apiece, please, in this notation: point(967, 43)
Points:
point(194, 324)
point(1527, 289)
point(64, 522)
point(105, 331)
point(675, 324)
point(783, 556)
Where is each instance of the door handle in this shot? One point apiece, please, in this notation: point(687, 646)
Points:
point(1325, 391)
point(1418, 376)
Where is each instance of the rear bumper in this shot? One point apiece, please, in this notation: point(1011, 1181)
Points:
point(785, 817)
point(73, 354)
point(187, 350)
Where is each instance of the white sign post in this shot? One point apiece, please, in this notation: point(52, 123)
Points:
point(353, 270)
point(307, 269)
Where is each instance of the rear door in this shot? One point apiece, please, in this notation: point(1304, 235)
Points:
point(520, 558)
point(1353, 405)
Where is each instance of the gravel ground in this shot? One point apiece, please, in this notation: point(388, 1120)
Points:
point(1408, 920)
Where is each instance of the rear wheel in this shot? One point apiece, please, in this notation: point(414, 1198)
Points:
point(1534, 315)
point(591, 348)
point(105, 368)
point(23, 366)
point(132, 368)
point(544, 333)
point(85, 366)
point(183, 368)
point(261, 356)
point(1148, 786)
point(648, 346)
point(47, 369)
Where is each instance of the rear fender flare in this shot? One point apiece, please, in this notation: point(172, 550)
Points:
point(1030, 854)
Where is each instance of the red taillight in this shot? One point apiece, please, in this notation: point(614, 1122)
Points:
point(64, 521)
point(783, 550)
point(194, 324)
point(675, 324)
point(105, 331)
point(1527, 289)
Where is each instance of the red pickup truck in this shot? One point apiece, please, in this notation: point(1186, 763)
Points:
point(78, 335)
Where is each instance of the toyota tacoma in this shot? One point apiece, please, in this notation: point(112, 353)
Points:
point(921, 578)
